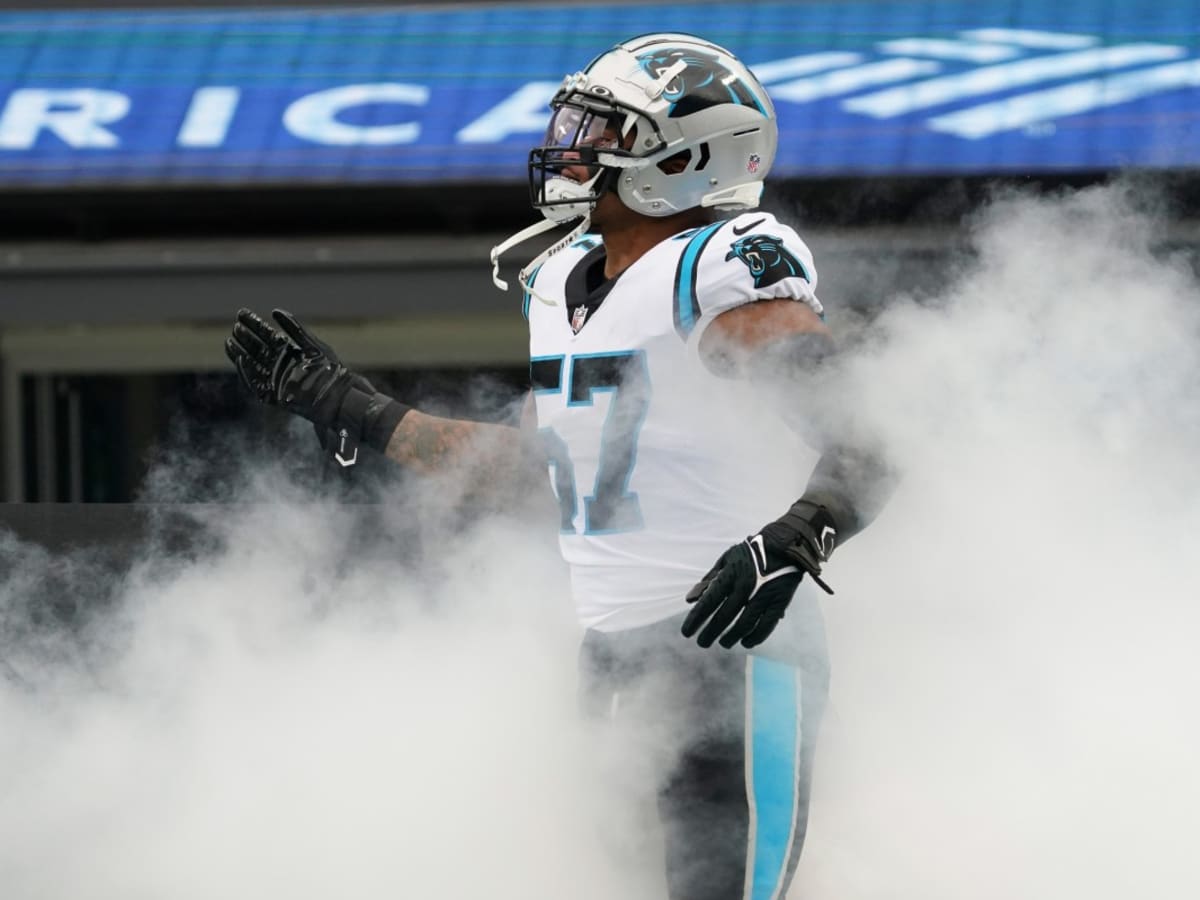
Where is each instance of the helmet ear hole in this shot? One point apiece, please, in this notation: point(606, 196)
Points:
point(673, 165)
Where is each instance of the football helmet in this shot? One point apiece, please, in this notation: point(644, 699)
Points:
point(667, 121)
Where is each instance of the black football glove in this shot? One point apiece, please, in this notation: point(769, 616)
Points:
point(743, 597)
point(302, 374)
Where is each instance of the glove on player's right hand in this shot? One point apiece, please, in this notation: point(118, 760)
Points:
point(293, 369)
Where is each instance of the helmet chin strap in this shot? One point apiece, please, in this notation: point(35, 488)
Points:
point(508, 243)
point(525, 234)
point(524, 275)
point(551, 221)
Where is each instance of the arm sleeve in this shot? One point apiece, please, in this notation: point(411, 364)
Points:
point(738, 261)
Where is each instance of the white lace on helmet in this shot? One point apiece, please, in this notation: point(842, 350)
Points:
point(648, 100)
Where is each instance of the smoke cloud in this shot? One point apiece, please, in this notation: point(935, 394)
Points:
point(379, 700)
point(291, 711)
point(1013, 641)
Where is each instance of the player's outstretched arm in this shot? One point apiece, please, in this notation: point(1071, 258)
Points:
point(430, 444)
point(743, 597)
point(289, 367)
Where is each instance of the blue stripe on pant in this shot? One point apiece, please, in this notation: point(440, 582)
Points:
point(732, 801)
point(773, 731)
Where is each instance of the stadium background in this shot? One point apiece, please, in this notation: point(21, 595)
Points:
point(125, 251)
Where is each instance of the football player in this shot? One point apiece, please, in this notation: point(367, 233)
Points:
point(670, 283)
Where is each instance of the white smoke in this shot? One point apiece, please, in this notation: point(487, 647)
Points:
point(304, 710)
point(1014, 641)
point(295, 715)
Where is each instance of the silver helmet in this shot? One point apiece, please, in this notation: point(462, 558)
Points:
point(667, 121)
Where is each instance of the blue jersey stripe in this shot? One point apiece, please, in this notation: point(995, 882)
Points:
point(774, 744)
point(527, 296)
point(687, 305)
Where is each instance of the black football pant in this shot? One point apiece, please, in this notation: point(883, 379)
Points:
point(732, 789)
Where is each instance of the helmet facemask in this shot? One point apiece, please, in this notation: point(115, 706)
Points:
point(586, 145)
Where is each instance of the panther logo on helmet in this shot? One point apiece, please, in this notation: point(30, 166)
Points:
point(768, 260)
point(705, 82)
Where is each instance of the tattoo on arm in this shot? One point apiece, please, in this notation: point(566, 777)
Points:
point(492, 465)
point(431, 444)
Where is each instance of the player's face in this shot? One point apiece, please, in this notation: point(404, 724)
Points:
point(577, 131)
point(574, 135)
point(579, 172)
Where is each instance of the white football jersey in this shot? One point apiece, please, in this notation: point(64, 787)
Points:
point(649, 470)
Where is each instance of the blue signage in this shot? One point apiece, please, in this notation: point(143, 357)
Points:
point(452, 94)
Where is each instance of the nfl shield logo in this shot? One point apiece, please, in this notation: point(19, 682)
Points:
point(752, 165)
point(578, 318)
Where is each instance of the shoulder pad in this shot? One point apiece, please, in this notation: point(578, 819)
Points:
point(729, 263)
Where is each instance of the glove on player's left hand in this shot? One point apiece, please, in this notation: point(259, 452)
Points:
point(743, 597)
point(293, 370)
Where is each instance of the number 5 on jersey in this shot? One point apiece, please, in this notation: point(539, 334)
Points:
point(611, 506)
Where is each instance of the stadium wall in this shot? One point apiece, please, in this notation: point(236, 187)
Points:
point(129, 243)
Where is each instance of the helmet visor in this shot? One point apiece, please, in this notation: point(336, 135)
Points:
point(576, 127)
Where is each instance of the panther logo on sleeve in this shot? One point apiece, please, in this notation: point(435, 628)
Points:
point(768, 260)
point(705, 82)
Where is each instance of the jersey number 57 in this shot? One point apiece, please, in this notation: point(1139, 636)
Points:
point(611, 506)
